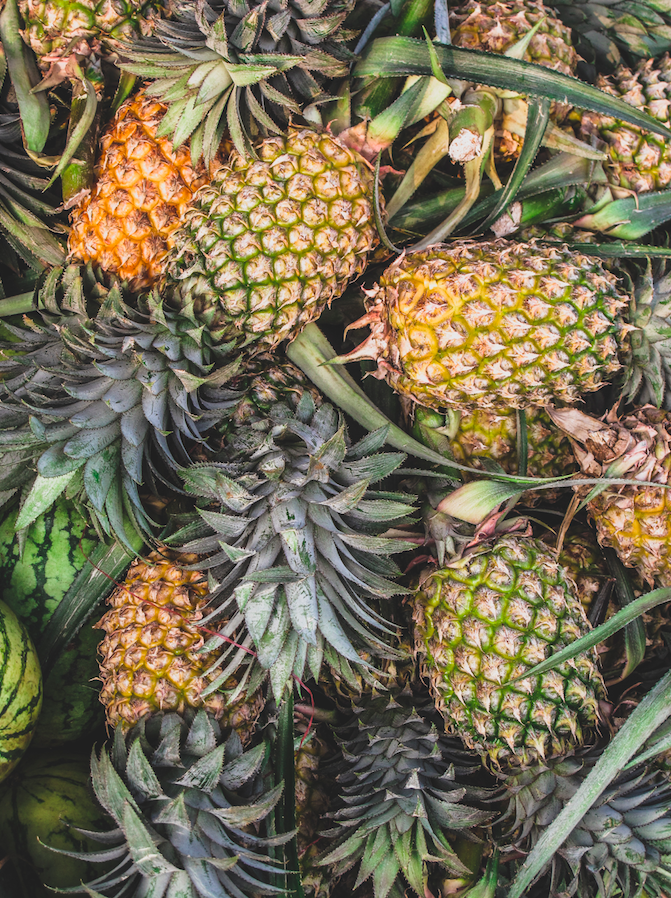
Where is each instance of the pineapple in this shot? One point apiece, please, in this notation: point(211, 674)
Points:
point(94, 405)
point(482, 436)
point(582, 559)
point(622, 841)
point(217, 72)
point(497, 25)
point(189, 808)
point(143, 188)
point(633, 520)
point(313, 757)
point(290, 527)
point(58, 29)
point(269, 242)
point(637, 160)
point(404, 790)
point(152, 658)
point(482, 621)
point(476, 326)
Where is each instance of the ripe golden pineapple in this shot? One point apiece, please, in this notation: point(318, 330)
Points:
point(271, 241)
point(485, 619)
point(143, 188)
point(633, 520)
point(484, 325)
point(151, 656)
point(637, 160)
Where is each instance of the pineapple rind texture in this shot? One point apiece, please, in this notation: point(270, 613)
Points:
point(143, 188)
point(633, 520)
point(623, 840)
point(271, 241)
point(495, 25)
point(486, 619)
point(54, 28)
point(491, 324)
point(152, 656)
point(637, 160)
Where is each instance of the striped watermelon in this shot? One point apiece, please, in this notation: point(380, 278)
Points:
point(33, 583)
point(20, 690)
point(49, 793)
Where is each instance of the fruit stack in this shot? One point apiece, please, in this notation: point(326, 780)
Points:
point(285, 612)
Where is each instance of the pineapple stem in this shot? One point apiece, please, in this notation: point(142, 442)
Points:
point(18, 305)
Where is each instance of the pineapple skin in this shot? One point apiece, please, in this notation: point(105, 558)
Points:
point(484, 325)
point(143, 188)
point(484, 620)
point(270, 242)
point(54, 28)
point(494, 26)
point(637, 160)
point(151, 656)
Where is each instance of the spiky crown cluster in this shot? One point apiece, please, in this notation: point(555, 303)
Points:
point(292, 540)
point(270, 242)
point(248, 67)
point(496, 323)
point(403, 790)
point(189, 809)
point(621, 845)
point(94, 405)
point(482, 622)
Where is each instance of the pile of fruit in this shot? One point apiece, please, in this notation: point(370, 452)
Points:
point(335, 449)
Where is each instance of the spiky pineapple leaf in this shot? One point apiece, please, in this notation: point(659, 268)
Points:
point(393, 56)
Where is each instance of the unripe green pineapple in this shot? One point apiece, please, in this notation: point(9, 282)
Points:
point(485, 619)
point(484, 325)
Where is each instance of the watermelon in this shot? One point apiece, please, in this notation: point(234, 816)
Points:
point(20, 690)
point(33, 583)
point(48, 793)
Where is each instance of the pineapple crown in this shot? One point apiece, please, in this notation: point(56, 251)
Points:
point(91, 404)
point(25, 210)
point(183, 798)
point(290, 532)
point(403, 788)
point(243, 66)
point(621, 845)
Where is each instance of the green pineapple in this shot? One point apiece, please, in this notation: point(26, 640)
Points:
point(271, 241)
point(482, 621)
point(637, 160)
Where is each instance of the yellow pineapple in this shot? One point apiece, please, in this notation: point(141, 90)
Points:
point(143, 188)
point(151, 656)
